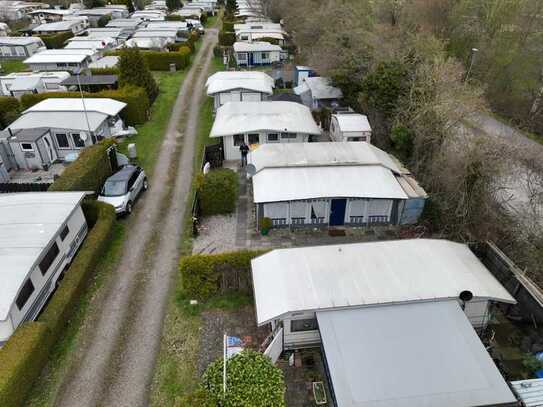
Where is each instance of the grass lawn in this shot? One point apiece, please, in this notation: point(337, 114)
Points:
point(14, 65)
point(151, 134)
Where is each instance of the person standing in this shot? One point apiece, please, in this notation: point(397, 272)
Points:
point(244, 149)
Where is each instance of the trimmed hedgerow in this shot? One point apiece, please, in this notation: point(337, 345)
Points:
point(21, 361)
point(9, 110)
point(105, 71)
point(252, 380)
point(56, 41)
point(217, 192)
point(160, 61)
point(88, 172)
point(60, 308)
point(136, 111)
point(174, 17)
point(205, 276)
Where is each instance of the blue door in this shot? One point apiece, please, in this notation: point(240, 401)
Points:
point(250, 58)
point(337, 212)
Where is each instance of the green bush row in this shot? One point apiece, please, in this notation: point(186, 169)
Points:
point(227, 39)
point(56, 41)
point(202, 274)
point(105, 71)
point(217, 192)
point(228, 26)
point(88, 172)
point(25, 354)
point(160, 61)
point(135, 112)
point(174, 17)
point(9, 110)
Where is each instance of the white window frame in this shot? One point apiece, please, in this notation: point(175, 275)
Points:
point(73, 140)
point(67, 139)
point(31, 149)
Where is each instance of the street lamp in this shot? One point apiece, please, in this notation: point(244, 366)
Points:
point(77, 74)
point(473, 53)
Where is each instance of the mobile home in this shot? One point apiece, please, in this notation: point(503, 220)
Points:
point(350, 126)
point(256, 53)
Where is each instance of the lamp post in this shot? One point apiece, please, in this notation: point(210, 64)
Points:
point(473, 53)
point(77, 74)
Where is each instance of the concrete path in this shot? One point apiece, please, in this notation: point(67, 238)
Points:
point(117, 361)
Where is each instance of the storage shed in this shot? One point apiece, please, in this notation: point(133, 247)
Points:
point(332, 184)
point(260, 123)
point(317, 92)
point(40, 233)
point(350, 126)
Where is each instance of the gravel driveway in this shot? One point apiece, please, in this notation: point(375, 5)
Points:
point(116, 362)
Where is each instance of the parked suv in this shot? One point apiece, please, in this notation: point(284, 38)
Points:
point(123, 187)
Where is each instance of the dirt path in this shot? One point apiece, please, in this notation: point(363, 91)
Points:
point(116, 364)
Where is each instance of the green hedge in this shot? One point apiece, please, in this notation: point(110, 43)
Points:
point(62, 304)
point(160, 61)
point(9, 110)
point(26, 352)
point(88, 172)
point(203, 274)
point(252, 378)
point(56, 41)
point(174, 17)
point(21, 361)
point(136, 111)
point(227, 39)
point(217, 192)
point(105, 71)
point(228, 26)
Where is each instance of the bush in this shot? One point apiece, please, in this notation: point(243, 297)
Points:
point(227, 39)
point(56, 41)
point(135, 112)
point(102, 21)
point(203, 274)
point(134, 70)
point(252, 380)
point(105, 71)
point(88, 172)
point(217, 192)
point(160, 61)
point(62, 304)
point(217, 51)
point(21, 361)
point(9, 110)
point(228, 26)
point(174, 17)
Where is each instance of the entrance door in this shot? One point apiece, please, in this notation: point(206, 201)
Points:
point(337, 212)
point(50, 149)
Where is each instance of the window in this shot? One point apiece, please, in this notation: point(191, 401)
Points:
point(27, 147)
point(273, 138)
point(77, 140)
point(254, 138)
point(49, 258)
point(21, 51)
point(265, 55)
point(61, 64)
point(238, 139)
point(301, 325)
point(298, 221)
point(244, 37)
point(242, 56)
point(64, 232)
point(288, 136)
point(50, 85)
point(24, 295)
point(73, 64)
point(62, 140)
point(356, 138)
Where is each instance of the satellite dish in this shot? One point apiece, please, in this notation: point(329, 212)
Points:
point(83, 136)
point(251, 170)
point(466, 295)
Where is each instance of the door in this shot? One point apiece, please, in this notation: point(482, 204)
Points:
point(337, 212)
point(50, 150)
point(250, 58)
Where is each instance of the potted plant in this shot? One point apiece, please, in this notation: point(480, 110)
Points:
point(265, 226)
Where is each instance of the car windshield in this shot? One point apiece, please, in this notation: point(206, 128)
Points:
point(114, 188)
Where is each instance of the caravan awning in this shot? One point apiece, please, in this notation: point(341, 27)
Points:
point(423, 354)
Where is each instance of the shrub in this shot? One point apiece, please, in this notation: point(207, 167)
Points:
point(9, 110)
point(134, 70)
point(203, 274)
point(88, 172)
point(252, 380)
point(62, 304)
point(228, 26)
point(227, 39)
point(105, 71)
point(217, 51)
point(160, 61)
point(102, 21)
point(21, 361)
point(56, 41)
point(217, 192)
point(136, 111)
point(174, 17)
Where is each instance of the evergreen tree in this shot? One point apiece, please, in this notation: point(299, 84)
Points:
point(173, 4)
point(133, 70)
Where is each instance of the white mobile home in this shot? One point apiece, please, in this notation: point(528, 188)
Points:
point(72, 26)
point(317, 92)
point(262, 122)
point(332, 184)
point(49, 15)
point(256, 53)
point(239, 86)
point(350, 126)
point(383, 313)
point(61, 60)
point(40, 233)
point(20, 47)
point(20, 83)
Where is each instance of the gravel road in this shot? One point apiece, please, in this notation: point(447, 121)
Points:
point(116, 364)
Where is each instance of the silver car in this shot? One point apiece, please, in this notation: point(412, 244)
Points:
point(122, 188)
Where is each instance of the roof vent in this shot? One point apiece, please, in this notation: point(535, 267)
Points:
point(466, 296)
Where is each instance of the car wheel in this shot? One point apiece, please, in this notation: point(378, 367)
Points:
point(145, 184)
point(128, 210)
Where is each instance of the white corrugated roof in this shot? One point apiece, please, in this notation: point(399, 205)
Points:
point(321, 88)
point(147, 43)
point(28, 223)
point(420, 354)
point(529, 391)
point(229, 80)
point(64, 25)
point(107, 106)
point(25, 83)
point(105, 62)
point(361, 274)
point(255, 46)
point(42, 58)
point(242, 117)
point(19, 40)
point(352, 122)
point(59, 120)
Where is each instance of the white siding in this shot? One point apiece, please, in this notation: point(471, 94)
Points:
point(231, 152)
point(293, 340)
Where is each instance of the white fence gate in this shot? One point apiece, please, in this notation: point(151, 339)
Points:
point(275, 348)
